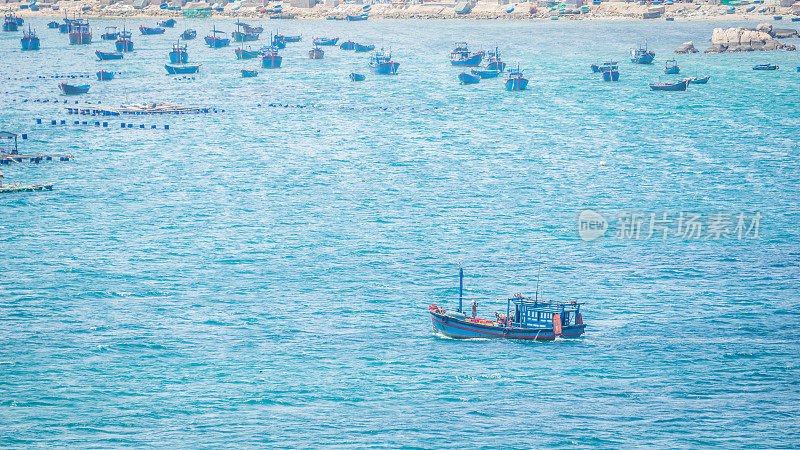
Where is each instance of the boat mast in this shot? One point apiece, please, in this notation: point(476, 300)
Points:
point(460, 288)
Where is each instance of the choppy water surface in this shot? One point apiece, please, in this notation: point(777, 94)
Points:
point(261, 276)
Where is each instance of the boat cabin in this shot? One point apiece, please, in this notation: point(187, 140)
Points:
point(530, 313)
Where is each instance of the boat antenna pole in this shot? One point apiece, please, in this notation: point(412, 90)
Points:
point(539, 272)
point(460, 287)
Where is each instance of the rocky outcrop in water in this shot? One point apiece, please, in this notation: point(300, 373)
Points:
point(687, 47)
point(746, 40)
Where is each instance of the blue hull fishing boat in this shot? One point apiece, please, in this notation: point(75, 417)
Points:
point(610, 75)
point(10, 23)
point(106, 56)
point(642, 55)
point(179, 54)
point(765, 67)
point(347, 45)
point(239, 36)
point(110, 34)
point(79, 32)
point(169, 23)
point(357, 17)
point(52, 25)
point(148, 31)
point(249, 73)
point(466, 78)
point(104, 75)
point(357, 77)
point(181, 69)
point(363, 48)
point(484, 74)
point(29, 40)
point(381, 64)
point(695, 80)
point(188, 35)
point(124, 42)
point(316, 53)
point(515, 81)
point(214, 41)
point(677, 86)
point(69, 89)
point(325, 41)
point(600, 68)
point(671, 67)
point(288, 38)
point(270, 59)
point(461, 56)
point(525, 319)
point(493, 61)
point(278, 43)
point(246, 54)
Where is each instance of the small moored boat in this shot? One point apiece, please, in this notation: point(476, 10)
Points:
point(249, 73)
point(124, 42)
point(515, 81)
point(695, 80)
point(181, 69)
point(215, 41)
point(484, 74)
point(610, 74)
point(671, 67)
point(69, 89)
point(642, 55)
point(316, 53)
point(381, 64)
point(10, 23)
point(106, 56)
point(105, 75)
point(52, 25)
point(357, 17)
point(677, 86)
point(246, 54)
point(168, 23)
point(188, 35)
point(179, 54)
point(347, 45)
point(29, 40)
point(600, 68)
point(461, 56)
point(493, 61)
point(467, 78)
point(270, 59)
point(325, 41)
point(357, 77)
point(765, 67)
point(110, 34)
point(363, 48)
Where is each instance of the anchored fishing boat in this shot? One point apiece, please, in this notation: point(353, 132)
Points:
point(288, 38)
point(110, 34)
point(695, 80)
point(124, 42)
point(244, 36)
point(52, 25)
point(188, 35)
point(494, 62)
point(467, 78)
point(671, 67)
point(316, 53)
point(515, 81)
point(179, 54)
point(246, 54)
point(215, 41)
point(677, 86)
point(357, 77)
point(525, 319)
point(181, 69)
point(610, 74)
point(270, 59)
point(381, 64)
point(325, 41)
point(148, 31)
point(169, 23)
point(484, 74)
point(600, 68)
point(106, 56)
point(765, 67)
point(461, 56)
point(69, 89)
point(357, 17)
point(363, 48)
point(105, 75)
point(80, 33)
point(249, 73)
point(642, 55)
point(10, 23)
point(29, 40)
point(347, 45)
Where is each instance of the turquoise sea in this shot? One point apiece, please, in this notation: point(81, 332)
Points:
point(260, 277)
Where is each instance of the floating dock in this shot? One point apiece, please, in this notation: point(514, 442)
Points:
point(9, 189)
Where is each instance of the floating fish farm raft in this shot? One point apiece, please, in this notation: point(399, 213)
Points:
point(144, 108)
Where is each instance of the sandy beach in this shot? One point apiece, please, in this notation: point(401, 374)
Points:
point(486, 10)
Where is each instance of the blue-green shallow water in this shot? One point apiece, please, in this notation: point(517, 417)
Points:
point(260, 277)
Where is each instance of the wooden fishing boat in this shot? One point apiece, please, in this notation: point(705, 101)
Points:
point(363, 48)
point(695, 80)
point(290, 38)
point(105, 75)
point(316, 53)
point(642, 55)
point(52, 25)
point(110, 34)
point(29, 40)
point(610, 74)
point(515, 81)
point(69, 89)
point(484, 74)
point(106, 56)
point(270, 59)
point(278, 43)
point(149, 31)
point(215, 41)
point(246, 54)
point(467, 78)
point(242, 35)
point(188, 35)
point(777, 17)
point(13, 188)
point(600, 68)
point(249, 73)
point(347, 45)
point(676, 86)
point(357, 77)
point(357, 17)
point(10, 23)
point(765, 67)
point(179, 54)
point(249, 29)
point(124, 42)
point(80, 33)
point(671, 67)
point(168, 23)
point(381, 64)
point(461, 56)
point(181, 69)
point(494, 62)
point(325, 41)
point(525, 318)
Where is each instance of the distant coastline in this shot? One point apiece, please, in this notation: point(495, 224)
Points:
point(482, 10)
